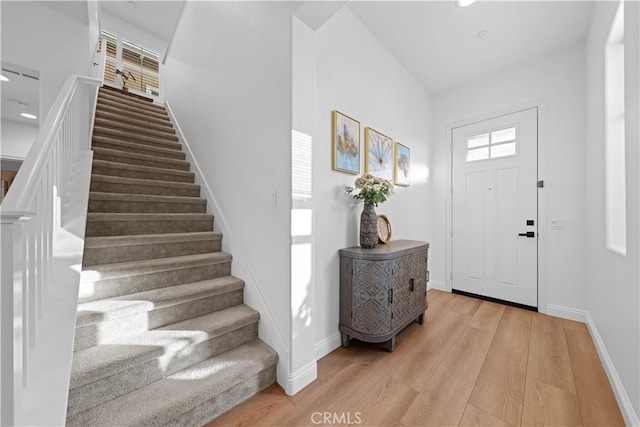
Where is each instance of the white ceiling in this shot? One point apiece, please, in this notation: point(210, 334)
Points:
point(155, 17)
point(437, 40)
point(19, 95)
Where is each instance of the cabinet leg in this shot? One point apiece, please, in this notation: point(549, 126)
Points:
point(420, 319)
point(346, 340)
point(391, 344)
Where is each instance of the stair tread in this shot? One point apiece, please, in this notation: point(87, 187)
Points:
point(106, 359)
point(112, 108)
point(140, 302)
point(146, 239)
point(171, 140)
point(141, 181)
point(158, 198)
point(133, 121)
point(133, 268)
point(116, 124)
point(106, 93)
point(174, 153)
point(139, 156)
point(140, 168)
point(106, 135)
point(123, 216)
point(184, 390)
point(122, 107)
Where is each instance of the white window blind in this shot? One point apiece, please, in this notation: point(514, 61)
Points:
point(300, 165)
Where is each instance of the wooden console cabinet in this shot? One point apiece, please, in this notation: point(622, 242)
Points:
point(382, 290)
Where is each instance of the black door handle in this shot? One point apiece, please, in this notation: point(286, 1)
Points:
point(529, 234)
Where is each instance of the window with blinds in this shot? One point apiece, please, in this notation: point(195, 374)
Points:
point(139, 63)
point(110, 64)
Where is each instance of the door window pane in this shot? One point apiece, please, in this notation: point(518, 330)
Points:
point(503, 135)
point(502, 150)
point(478, 140)
point(478, 154)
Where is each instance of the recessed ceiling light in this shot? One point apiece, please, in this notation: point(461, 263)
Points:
point(4, 78)
point(28, 116)
point(465, 3)
point(482, 33)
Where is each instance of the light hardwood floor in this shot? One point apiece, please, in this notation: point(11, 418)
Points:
point(472, 363)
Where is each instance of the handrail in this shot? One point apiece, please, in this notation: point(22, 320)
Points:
point(36, 284)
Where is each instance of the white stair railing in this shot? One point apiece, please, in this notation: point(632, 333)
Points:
point(34, 289)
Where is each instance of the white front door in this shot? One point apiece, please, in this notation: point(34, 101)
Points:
point(495, 214)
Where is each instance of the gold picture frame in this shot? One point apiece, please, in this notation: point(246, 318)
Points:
point(402, 165)
point(378, 154)
point(346, 143)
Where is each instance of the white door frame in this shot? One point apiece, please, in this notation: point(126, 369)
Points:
point(542, 204)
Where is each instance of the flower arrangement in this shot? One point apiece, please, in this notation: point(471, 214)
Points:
point(373, 190)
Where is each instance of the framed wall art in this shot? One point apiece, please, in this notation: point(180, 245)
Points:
point(402, 168)
point(378, 154)
point(346, 143)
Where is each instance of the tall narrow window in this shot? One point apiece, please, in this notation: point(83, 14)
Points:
point(615, 188)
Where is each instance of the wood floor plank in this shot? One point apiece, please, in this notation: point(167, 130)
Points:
point(598, 405)
point(547, 405)
point(466, 305)
point(500, 386)
point(488, 316)
point(548, 354)
point(416, 366)
point(444, 397)
point(473, 417)
point(385, 403)
point(262, 409)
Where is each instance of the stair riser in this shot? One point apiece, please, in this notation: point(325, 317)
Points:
point(129, 101)
point(150, 151)
point(121, 228)
point(136, 109)
point(133, 160)
point(114, 110)
point(93, 394)
point(157, 125)
point(97, 333)
point(107, 255)
point(210, 409)
point(141, 174)
point(145, 207)
point(108, 288)
point(110, 187)
point(145, 130)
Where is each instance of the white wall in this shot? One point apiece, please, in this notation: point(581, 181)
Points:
point(558, 80)
point(40, 38)
point(228, 81)
point(612, 281)
point(359, 77)
point(16, 139)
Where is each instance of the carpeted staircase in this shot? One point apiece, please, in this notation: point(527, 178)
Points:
point(162, 334)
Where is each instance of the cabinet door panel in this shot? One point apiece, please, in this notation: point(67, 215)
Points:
point(371, 307)
point(410, 285)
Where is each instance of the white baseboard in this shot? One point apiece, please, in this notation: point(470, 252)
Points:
point(327, 345)
point(629, 414)
point(436, 284)
point(567, 313)
point(301, 378)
